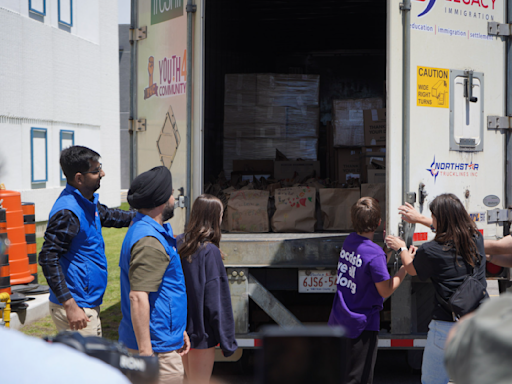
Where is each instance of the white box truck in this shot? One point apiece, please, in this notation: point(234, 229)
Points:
point(443, 69)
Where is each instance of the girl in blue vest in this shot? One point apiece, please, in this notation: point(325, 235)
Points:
point(210, 317)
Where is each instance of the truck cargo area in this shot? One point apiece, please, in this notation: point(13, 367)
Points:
point(344, 42)
point(323, 38)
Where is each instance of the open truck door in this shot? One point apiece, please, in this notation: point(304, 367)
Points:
point(162, 129)
point(446, 84)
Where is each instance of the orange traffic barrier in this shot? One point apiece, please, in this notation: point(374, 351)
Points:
point(18, 259)
point(5, 269)
point(29, 211)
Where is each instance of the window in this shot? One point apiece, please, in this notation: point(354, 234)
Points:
point(66, 12)
point(39, 154)
point(67, 139)
point(37, 6)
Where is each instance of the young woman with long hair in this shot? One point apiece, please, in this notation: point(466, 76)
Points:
point(456, 250)
point(210, 316)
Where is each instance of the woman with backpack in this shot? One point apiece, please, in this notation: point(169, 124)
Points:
point(455, 263)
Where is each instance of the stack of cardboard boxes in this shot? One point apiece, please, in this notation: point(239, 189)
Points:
point(265, 112)
point(357, 145)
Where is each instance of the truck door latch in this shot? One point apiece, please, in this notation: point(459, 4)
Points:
point(499, 215)
point(182, 200)
point(468, 87)
point(498, 29)
point(499, 122)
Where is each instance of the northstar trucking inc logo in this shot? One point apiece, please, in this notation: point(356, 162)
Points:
point(452, 169)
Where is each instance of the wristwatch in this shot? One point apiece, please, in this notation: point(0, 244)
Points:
point(403, 249)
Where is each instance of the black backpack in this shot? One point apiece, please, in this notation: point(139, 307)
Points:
point(466, 298)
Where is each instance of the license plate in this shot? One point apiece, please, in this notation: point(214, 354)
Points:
point(311, 281)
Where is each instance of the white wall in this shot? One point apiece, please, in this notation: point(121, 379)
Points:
point(58, 78)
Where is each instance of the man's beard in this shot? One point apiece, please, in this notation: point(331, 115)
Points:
point(168, 212)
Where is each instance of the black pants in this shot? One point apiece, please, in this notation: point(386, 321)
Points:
point(363, 356)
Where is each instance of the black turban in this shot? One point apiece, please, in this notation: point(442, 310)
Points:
point(151, 189)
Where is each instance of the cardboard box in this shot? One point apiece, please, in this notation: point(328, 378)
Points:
point(374, 127)
point(265, 149)
point(247, 131)
point(348, 164)
point(376, 176)
point(240, 89)
point(348, 120)
point(287, 90)
point(287, 169)
point(370, 158)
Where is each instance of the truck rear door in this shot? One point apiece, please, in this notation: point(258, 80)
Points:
point(456, 81)
point(161, 83)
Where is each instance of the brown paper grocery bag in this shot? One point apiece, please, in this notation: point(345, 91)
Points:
point(336, 204)
point(378, 192)
point(247, 211)
point(295, 210)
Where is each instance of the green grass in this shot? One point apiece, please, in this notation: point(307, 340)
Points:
point(111, 307)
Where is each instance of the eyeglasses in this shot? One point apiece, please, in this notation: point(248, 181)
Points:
point(97, 170)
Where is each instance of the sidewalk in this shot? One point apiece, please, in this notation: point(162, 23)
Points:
point(37, 309)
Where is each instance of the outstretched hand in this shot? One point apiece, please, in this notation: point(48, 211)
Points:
point(409, 213)
point(394, 242)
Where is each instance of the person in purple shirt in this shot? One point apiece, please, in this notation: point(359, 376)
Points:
point(363, 281)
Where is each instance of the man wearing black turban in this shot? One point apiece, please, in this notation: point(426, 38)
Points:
point(152, 280)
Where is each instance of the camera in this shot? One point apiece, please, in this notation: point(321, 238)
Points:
point(138, 369)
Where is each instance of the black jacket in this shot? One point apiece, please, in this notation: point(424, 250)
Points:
point(210, 316)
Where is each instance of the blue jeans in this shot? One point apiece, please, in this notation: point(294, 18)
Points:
point(432, 369)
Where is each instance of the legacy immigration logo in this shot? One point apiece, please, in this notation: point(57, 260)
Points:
point(429, 7)
point(452, 169)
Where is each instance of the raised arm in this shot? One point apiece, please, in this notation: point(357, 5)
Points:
point(407, 255)
point(499, 247)
point(411, 215)
point(116, 218)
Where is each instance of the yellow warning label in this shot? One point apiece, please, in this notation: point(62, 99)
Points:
point(433, 87)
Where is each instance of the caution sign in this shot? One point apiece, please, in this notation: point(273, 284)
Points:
point(433, 89)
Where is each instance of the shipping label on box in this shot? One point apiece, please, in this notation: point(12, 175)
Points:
point(374, 127)
point(300, 169)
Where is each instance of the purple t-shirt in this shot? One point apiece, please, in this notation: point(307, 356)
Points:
point(357, 302)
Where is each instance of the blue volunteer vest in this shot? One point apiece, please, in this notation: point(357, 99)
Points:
point(85, 264)
point(168, 306)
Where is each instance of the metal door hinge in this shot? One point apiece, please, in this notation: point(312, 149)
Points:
point(499, 215)
point(138, 125)
point(405, 7)
point(138, 34)
point(498, 29)
point(499, 122)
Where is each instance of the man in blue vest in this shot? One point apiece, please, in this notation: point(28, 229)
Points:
point(73, 254)
point(153, 293)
